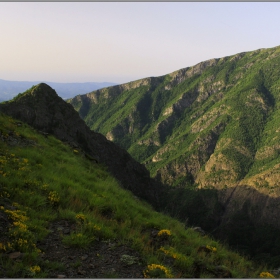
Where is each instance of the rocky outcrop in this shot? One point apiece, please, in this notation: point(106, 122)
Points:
point(43, 109)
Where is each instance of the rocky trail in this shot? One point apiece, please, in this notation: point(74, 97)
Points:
point(103, 259)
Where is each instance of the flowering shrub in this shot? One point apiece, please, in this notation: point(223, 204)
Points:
point(213, 249)
point(80, 217)
point(169, 252)
point(164, 232)
point(16, 215)
point(44, 187)
point(53, 197)
point(34, 270)
point(96, 227)
point(22, 238)
point(2, 247)
point(15, 204)
point(266, 275)
point(180, 260)
point(157, 271)
point(4, 193)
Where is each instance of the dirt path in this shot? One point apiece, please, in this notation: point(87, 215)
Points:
point(104, 259)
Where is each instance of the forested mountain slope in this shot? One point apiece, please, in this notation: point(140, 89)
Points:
point(214, 124)
point(213, 131)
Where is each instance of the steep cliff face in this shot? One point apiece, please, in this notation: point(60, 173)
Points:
point(44, 110)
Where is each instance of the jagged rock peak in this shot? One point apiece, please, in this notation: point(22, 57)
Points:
point(41, 90)
point(44, 86)
point(44, 110)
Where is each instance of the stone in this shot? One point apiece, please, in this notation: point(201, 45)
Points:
point(81, 272)
point(154, 233)
point(84, 257)
point(199, 230)
point(66, 231)
point(15, 255)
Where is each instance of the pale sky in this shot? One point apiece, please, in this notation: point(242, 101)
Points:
point(124, 41)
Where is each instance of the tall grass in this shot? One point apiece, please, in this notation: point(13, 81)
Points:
point(48, 181)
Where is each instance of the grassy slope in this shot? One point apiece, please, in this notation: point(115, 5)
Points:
point(47, 181)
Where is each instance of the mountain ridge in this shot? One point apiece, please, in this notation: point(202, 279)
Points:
point(198, 97)
point(43, 109)
point(9, 89)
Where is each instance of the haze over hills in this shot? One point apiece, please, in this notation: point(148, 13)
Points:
point(9, 89)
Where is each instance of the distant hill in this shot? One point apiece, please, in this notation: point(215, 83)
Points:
point(9, 89)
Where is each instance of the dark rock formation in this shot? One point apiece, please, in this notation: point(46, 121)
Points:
point(43, 109)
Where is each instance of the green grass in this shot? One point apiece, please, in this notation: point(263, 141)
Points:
point(48, 181)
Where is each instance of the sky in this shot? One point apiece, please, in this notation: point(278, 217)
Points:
point(124, 41)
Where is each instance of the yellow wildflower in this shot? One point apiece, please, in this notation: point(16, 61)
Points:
point(266, 275)
point(80, 217)
point(2, 247)
point(213, 249)
point(96, 227)
point(35, 269)
point(53, 197)
point(164, 232)
point(154, 271)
